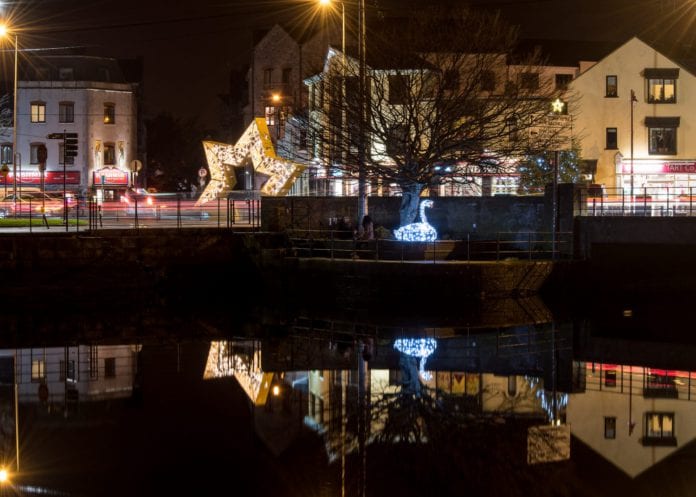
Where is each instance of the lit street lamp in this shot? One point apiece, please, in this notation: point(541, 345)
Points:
point(6, 33)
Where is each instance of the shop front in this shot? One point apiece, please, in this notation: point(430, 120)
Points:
point(663, 179)
point(53, 181)
point(109, 184)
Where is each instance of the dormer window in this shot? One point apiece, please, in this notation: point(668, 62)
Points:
point(66, 74)
point(662, 85)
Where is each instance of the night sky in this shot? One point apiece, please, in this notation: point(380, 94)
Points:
point(190, 47)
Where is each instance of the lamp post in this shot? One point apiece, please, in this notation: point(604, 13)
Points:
point(5, 32)
point(633, 101)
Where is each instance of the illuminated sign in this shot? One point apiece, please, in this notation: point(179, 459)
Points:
point(655, 167)
point(34, 178)
point(111, 177)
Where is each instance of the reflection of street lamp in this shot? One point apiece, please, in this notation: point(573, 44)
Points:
point(5, 32)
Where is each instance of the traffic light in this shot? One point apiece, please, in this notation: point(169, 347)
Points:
point(70, 145)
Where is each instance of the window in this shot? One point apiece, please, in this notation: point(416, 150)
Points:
point(66, 112)
point(110, 367)
point(109, 113)
point(398, 89)
point(38, 112)
point(450, 80)
point(397, 140)
point(34, 152)
point(563, 80)
point(662, 91)
point(93, 362)
point(38, 370)
point(267, 76)
point(659, 429)
point(612, 89)
point(663, 141)
point(610, 427)
point(612, 139)
point(6, 153)
point(61, 155)
point(286, 75)
point(529, 81)
point(69, 373)
point(270, 115)
point(109, 154)
point(512, 129)
point(487, 81)
point(66, 74)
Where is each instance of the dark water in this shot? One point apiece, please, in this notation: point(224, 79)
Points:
point(148, 400)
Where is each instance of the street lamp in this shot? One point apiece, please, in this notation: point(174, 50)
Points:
point(6, 33)
point(633, 101)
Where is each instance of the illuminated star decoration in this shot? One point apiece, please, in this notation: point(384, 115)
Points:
point(417, 347)
point(557, 106)
point(255, 143)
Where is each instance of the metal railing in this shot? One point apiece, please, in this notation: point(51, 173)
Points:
point(645, 201)
point(340, 244)
point(170, 211)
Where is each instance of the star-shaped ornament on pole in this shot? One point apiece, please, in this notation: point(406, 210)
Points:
point(255, 143)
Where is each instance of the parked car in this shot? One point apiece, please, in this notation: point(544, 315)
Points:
point(30, 203)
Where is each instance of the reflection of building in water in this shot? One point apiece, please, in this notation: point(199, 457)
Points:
point(633, 416)
point(62, 374)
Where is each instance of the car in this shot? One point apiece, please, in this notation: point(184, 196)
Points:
point(143, 202)
point(34, 203)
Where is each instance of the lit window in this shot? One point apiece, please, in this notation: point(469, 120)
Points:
point(109, 154)
point(109, 113)
point(38, 112)
point(66, 112)
point(6, 153)
point(612, 88)
point(662, 91)
point(38, 370)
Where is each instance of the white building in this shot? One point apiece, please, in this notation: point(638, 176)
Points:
point(640, 144)
point(82, 95)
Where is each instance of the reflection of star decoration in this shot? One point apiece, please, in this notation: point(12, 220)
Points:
point(256, 143)
point(557, 106)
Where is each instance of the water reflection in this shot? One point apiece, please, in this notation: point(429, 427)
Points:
point(336, 407)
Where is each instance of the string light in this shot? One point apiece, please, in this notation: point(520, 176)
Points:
point(417, 347)
point(418, 232)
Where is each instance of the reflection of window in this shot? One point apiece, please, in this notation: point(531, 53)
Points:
point(662, 91)
point(267, 76)
point(286, 75)
point(512, 385)
point(66, 112)
point(38, 112)
point(612, 139)
point(609, 427)
point(659, 429)
point(663, 141)
point(38, 370)
point(69, 373)
point(270, 116)
point(110, 367)
point(610, 378)
point(109, 113)
point(93, 362)
point(612, 88)
point(109, 154)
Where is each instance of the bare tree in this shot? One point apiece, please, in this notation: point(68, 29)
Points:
point(447, 99)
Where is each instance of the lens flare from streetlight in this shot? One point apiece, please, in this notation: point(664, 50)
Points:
point(3, 30)
point(325, 2)
point(4, 476)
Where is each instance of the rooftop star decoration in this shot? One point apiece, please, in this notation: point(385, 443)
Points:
point(255, 143)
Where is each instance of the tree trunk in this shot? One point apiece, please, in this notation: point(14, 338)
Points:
point(408, 211)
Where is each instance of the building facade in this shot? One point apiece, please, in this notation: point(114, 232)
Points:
point(86, 98)
point(632, 115)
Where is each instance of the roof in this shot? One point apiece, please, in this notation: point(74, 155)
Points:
point(72, 68)
point(566, 52)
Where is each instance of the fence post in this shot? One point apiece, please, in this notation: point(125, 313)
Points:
point(497, 246)
point(529, 245)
